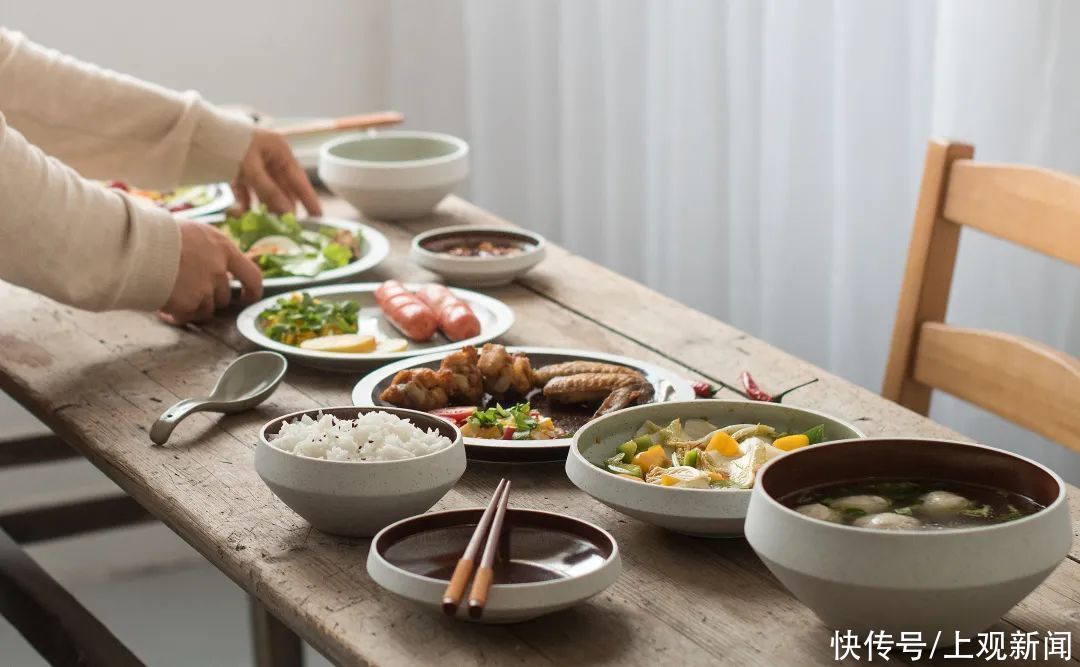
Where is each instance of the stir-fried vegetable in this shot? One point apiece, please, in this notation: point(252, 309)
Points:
point(282, 247)
point(299, 317)
point(727, 457)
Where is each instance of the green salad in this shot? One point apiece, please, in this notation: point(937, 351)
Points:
point(282, 247)
point(299, 317)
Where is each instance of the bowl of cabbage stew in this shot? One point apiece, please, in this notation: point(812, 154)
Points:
point(906, 535)
point(688, 466)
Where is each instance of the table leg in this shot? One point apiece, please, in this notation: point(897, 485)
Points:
point(275, 644)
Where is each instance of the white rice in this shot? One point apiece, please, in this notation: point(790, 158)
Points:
point(375, 436)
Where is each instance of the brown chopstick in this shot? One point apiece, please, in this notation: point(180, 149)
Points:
point(357, 122)
point(464, 568)
point(482, 583)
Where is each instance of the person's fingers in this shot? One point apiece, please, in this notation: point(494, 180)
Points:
point(242, 193)
point(205, 311)
point(222, 291)
point(301, 187)
point(247, 272)
point(167, 318)
point(264, 186)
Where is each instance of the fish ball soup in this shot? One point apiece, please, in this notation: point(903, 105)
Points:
point(910, 504)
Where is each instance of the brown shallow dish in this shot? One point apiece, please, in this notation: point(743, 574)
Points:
point(554, 561)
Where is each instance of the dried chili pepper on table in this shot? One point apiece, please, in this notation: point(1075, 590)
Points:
point(705, 390)
point(753, 391)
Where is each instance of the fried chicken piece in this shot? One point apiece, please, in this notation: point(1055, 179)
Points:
point(504, 374)
point(624, 397)
point(588, 387)
point(466, 384)
point(546, 373)
point(419, 389)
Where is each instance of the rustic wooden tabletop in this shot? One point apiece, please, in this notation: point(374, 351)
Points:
point(100, 380)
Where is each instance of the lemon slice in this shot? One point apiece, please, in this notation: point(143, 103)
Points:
point(393, 345)
point(340, 343)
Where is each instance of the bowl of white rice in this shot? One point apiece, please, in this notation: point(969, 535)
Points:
point(353, 471)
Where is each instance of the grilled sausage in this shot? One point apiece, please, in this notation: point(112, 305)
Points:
point(406, 311)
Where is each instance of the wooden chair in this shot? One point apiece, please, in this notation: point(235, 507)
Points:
point(1021, 380)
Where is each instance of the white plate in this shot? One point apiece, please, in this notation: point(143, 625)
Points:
point(669, 386)
point(375, 249)
point(223, 199)
point(495, 317)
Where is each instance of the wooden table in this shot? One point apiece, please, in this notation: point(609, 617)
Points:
point(99, 381)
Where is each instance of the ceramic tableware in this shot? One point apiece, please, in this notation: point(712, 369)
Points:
point(495, 317)
point(669, 386)
point(394, 175)
point(249, 380)
point(698, 512)
point(551, 562)
point(429, 250)
point(358, 498)
point(374, 248)
point(956, 581)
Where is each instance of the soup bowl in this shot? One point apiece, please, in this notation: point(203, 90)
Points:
point(395, 175)
point(956, 581)
point(697, 512)
point(359, 498)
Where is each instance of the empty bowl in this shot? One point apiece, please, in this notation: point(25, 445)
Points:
point(394, 175)
point(956, 581)
point(697, 512)
point(475, 256)
point(359, 498)
point(553, 561)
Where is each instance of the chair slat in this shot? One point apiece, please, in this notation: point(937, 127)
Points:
point(1024, 381)
point(1008, 200)
point(35, 524)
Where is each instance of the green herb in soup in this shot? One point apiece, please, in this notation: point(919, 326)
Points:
point(910, 504)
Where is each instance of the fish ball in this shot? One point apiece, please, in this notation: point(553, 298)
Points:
point(940, 504)
point(866, 504)
point(819, 511)
point(888, 521)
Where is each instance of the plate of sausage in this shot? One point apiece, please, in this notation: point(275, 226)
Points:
point(519, 404)
point(360, 326)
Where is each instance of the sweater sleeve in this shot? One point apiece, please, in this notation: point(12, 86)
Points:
point(110, 126)
point(77, 242)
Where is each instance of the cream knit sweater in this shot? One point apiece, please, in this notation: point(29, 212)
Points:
point(66, 237)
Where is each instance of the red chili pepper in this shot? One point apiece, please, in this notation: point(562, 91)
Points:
point(752, 390)
point(457, 414)
point(508, 432)
point(118, 185)
point(705, 390)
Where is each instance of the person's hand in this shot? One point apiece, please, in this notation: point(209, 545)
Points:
point(207, 257)
point(272, 172)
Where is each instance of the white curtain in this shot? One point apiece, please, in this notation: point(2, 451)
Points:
point(760, 160)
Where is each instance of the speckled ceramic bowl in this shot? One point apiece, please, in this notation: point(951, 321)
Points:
point(429, 251)
point(359, 498)
point(698, 512)
point(953, 581)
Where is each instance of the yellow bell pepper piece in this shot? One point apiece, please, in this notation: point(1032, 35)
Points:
point(790, 442)
point(650, 458)
point(723, 444)
point(668, 480)
point(716, 477)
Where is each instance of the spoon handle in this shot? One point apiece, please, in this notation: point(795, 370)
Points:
point(163, 427)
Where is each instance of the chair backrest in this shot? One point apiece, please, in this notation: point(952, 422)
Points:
point(1024, 381)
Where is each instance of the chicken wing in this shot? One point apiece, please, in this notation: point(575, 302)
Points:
point(624, 397)
point(588, 387)
point(546, 373)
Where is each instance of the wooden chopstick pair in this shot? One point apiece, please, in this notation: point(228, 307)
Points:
point(489, 528)
point(357, 122)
